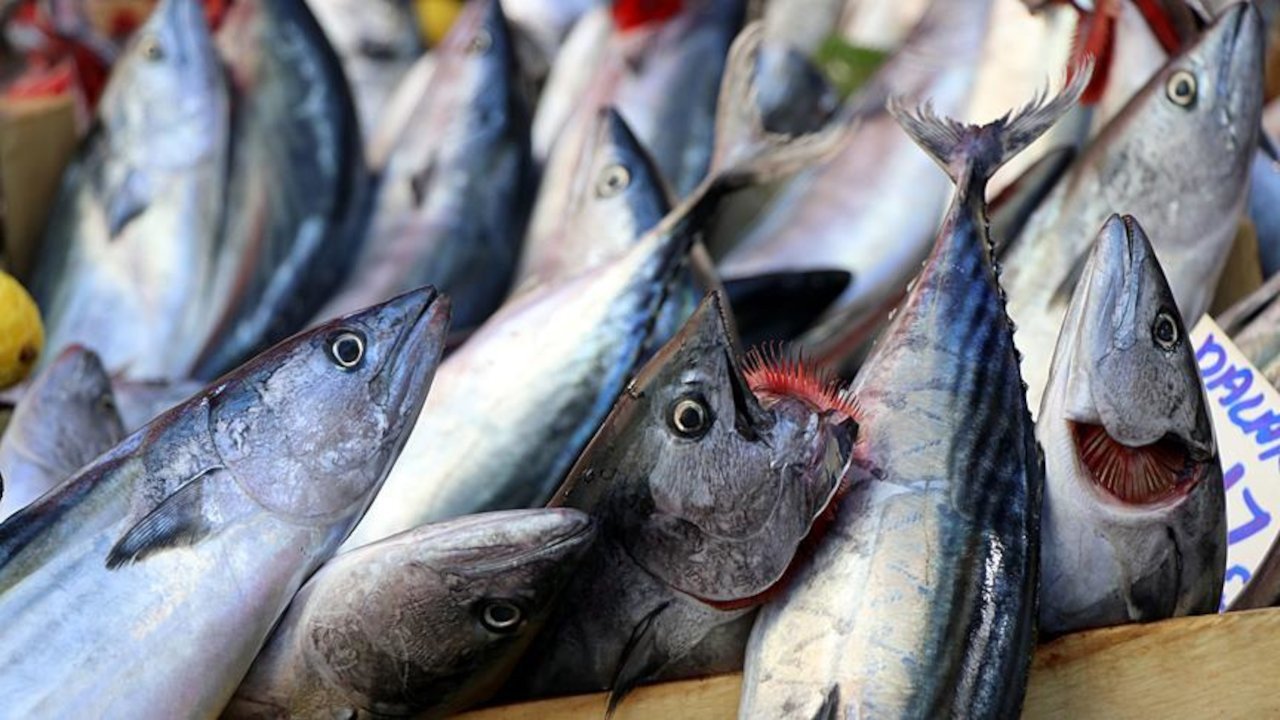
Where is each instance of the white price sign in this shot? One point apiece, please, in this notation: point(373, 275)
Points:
point(1245, 410)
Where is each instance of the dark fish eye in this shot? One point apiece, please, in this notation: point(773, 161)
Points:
point(1165, 331)
point(690, 417)
point(107, 403)
point(1181, 88)
point(501, 616)
point(347, 349)
point(481, 43)
point(151, 48)
point(613, 180)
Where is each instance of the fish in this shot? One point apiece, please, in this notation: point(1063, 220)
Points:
point(871, 208)
point(423, 624)
point(124, 259)
point(1204, 104)
point(795, 95)
point(569, 79)
point(522, 396)
point(921, 600)
point(1135, 525)
point(454, 196)
point(189, 538)
point(706, 478)
point(377, 43)
point(298, 195)
point(66, 418)
point(614, 195)
point(541, 28)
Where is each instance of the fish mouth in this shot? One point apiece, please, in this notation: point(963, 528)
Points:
point(1239, 34)
point(1157, 474)
point(406, 369)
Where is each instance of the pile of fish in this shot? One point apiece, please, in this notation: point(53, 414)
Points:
point(606, 343)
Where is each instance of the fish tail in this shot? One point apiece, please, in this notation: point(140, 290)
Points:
point(745, 150)
point(980, 150)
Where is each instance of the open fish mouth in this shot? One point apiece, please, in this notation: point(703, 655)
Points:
point(1160, 473)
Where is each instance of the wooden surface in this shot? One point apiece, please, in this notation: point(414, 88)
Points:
point(1217, 666)
point(37, 138)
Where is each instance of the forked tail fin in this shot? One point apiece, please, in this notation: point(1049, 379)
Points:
point(980, 150)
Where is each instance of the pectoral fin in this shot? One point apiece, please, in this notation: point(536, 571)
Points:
point(182, 520)
point(641, 658)
point(126, 201)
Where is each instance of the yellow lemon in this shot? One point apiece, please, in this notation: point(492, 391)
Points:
point(435, 17)
point(21, 334)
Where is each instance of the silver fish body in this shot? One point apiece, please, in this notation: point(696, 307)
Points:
point(131, 239)
point(65, 419)
point(1134, 525)
point(1178, 158)
point(921, 600)
point(141, 401)
point(298, 197)
point(704, 493)
point(188, 539)
point(455, 192)
point(425, 623)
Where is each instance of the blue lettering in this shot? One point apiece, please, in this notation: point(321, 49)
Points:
point(1236, 380)
point(1211, 346)
point(1235, 572)
point(1234, 412)
point(1232, 476)
point(1260, 520)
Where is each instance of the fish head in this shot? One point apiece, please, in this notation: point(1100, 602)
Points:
point(72, 402)
point(475, 590)
point(622, 194)
point(310, 427)
point(1213, 92)
point(1133, 394)
point(712, 489)
point(477, 60)
point(171, 57)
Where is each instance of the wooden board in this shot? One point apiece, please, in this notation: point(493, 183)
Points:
point(1216, 666)
point(37, 138)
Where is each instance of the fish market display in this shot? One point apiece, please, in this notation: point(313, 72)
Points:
point(705, 481)
point(400, 358)
point(132, 237)
point(426, 622)
point(298, 194)
point(204, 523)
point(66, 418)
point(1134, 525)
point(1191, 134)
point(923, 602)
point(454, 196)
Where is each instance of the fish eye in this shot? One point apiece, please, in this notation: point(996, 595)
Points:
point(107, 403)
point(613, 180)
point(480, 43)
point(501, 616)
point(1181, 88)
point(1165, 330)
point(150, 48)
point(347, 349)
point(690, 417)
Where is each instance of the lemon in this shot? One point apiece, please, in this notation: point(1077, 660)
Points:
point(435, 17)
point(21, 335)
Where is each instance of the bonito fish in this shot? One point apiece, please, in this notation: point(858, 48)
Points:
point(425, 623)
point(131, 239)
point(921, 601)
point(145, 585)
point(1134, 515)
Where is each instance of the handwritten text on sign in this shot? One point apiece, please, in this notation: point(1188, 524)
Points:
point(1245, 410)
